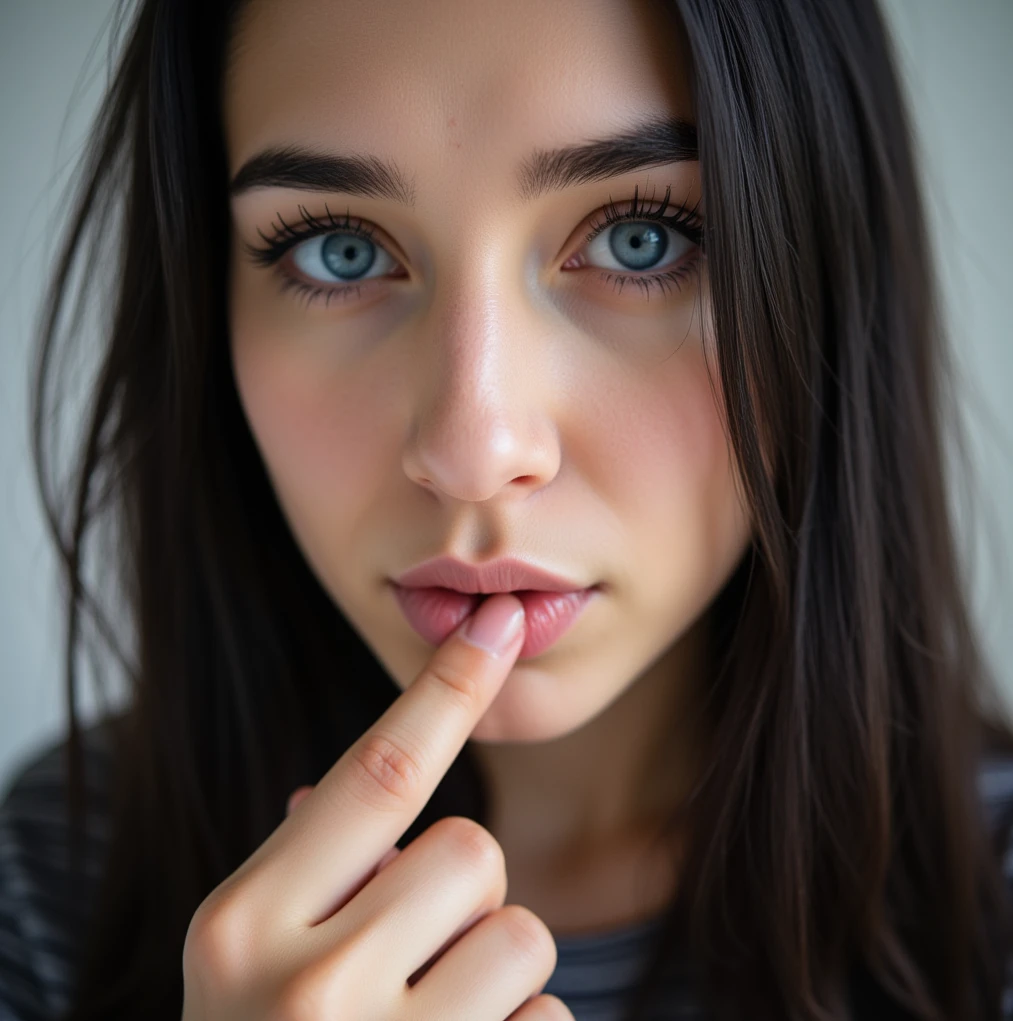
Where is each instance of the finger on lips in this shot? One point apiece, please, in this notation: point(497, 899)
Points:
point(373, 793)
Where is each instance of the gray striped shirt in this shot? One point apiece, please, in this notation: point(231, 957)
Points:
point(41, 919)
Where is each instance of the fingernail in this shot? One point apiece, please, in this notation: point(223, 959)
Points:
point(495, 624)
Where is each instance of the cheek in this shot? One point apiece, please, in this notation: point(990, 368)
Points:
point(667, 467)
point(318, 429)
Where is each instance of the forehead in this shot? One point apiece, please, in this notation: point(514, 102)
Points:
point(445, 83)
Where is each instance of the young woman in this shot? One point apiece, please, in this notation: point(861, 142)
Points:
point(523, 431)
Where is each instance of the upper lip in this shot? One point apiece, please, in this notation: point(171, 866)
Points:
point(505, 575)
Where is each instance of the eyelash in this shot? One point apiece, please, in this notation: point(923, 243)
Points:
point(685, 221)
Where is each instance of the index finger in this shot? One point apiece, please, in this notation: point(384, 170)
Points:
point(373, 793)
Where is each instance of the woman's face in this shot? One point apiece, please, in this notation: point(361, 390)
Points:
point(475, 378)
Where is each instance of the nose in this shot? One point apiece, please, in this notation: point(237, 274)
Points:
point(484, 423)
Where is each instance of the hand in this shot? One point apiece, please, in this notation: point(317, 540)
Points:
point(327, 920)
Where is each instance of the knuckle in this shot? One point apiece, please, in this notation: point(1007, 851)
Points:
point(528, 934)
point(473, 843)
point(384, 774)
point(218, 938)
point(458, 683)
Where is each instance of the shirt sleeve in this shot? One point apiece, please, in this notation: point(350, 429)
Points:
point(41, 915)
point(995, 787)
point(1007, 871)
point(22, 987)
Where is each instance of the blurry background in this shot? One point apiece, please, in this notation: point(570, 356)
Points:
point(53, 69)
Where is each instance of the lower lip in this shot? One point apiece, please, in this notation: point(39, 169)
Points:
point(435, 613)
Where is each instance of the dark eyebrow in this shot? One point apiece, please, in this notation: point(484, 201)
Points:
point(295, 167)
point(647, 145)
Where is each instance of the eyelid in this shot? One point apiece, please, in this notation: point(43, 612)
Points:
point(287, 236)
point(684, 220)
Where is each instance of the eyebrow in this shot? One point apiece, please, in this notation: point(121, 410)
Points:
point(649, 144)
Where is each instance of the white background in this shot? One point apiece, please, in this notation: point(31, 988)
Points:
point(52, 70)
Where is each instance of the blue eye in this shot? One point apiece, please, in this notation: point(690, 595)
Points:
point(341, 258)
point(338, 258)
point(637, 245)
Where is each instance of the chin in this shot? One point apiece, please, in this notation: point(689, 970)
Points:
point(494, 729)
point(532, 716)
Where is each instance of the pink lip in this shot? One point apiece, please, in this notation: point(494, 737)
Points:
point(508, 574)
point(434, 612)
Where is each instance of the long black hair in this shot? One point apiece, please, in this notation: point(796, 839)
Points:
point(839, 858)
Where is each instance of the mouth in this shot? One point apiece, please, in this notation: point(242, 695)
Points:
point(435, 612)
